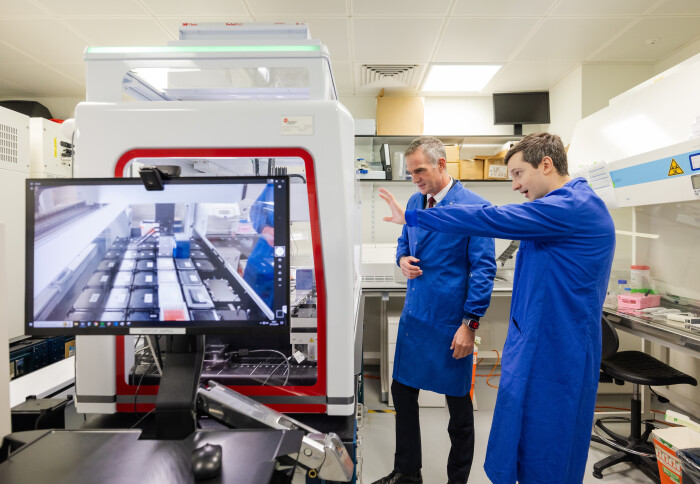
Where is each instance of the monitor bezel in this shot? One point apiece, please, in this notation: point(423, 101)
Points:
point(152, 327)
point(498, 96)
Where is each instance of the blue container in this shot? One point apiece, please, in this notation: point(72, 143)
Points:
point(182, 248)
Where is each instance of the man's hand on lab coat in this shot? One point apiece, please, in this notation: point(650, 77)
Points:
point(396, 211)
point(463, 342)
point(408, 268)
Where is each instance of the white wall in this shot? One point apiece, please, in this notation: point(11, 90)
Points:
point(60, 107)
point(565, 104)
point(446, 116)
point(465, 115)
point(601, 82)
point(361, 107)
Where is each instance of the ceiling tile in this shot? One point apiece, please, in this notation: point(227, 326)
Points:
point(332, 32)
point(602, 7)
point(8, 54)
point(395, 41)
point(342, 75)
point(464, 39)
point(400, 7)
point(503, 8)
point(110, 31)
point(678, 7)
point(225, 10)
point(668, 33)
point(530, 76)
point(74, 71)
point(13, 8)
point(297, 7)
point(45, 39)
point(39, 80)
point(9, 90)
point(91, 7)
point(570, 39)
point(173, 24)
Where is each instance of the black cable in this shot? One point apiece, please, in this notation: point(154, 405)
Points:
point(282, 355)
point(277, 368)
point(139, 420)
point(659, 397)
point(136, 394)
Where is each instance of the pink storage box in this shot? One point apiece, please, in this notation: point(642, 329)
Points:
point(638, 301)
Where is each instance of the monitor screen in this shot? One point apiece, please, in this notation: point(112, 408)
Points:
point(521, 108)
point(203, 255)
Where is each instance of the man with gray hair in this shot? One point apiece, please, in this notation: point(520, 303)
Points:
point(449, 288)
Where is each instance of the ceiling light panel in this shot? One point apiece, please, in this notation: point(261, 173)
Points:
point(459, 78)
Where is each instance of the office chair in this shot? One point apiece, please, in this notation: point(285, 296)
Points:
point(637, 368)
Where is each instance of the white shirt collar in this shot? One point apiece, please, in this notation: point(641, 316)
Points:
point(442, 193)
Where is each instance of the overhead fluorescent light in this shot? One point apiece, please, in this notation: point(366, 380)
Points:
point(459, 78)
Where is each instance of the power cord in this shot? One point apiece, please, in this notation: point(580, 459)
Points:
point(286, 360)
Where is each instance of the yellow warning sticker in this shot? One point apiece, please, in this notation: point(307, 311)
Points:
point(675, 168)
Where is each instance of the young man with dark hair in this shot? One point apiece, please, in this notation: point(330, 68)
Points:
point(542, 422)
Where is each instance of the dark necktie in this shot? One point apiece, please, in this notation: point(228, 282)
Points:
point(431, 202)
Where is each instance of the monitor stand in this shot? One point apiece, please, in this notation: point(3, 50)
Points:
point(176, 414)
point(518, 129)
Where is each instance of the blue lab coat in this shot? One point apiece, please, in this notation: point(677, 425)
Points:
point(551, 361)
point(457, 280)
point(260, 268)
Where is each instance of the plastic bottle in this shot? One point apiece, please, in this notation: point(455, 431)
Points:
point(622, 289)
point(640, 280)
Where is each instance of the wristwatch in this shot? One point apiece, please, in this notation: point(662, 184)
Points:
point(471, 324)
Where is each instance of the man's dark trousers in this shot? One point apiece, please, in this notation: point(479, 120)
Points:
point(460, 428)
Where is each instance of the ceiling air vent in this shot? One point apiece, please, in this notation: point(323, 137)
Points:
point(391, 75)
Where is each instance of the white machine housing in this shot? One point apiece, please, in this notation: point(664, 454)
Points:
point(47, 159)
point(194, 127)
point(628, 149)
point(14, 170)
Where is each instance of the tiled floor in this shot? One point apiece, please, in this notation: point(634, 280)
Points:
point(377, 434)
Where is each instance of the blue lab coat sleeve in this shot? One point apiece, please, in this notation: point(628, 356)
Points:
point(482, 262)
point(542, 220)
point(402, 248)
point(259, 271)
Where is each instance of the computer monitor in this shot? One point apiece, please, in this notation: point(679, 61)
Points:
point(201, 256)
point(520, 108)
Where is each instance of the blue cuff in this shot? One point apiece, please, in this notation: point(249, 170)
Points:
point(411, 217)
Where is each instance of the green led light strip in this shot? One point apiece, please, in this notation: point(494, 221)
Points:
point(201, 48)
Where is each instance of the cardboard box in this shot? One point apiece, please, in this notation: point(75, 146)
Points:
point(471, 169)
point(452, 153)
point(667, 442)
point(495, 169)
point(453, 170)
point(399, 115)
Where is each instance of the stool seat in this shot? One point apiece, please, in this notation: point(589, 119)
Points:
point(639, 369)
point(643, 369)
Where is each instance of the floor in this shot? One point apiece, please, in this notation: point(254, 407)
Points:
point(377, 434)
